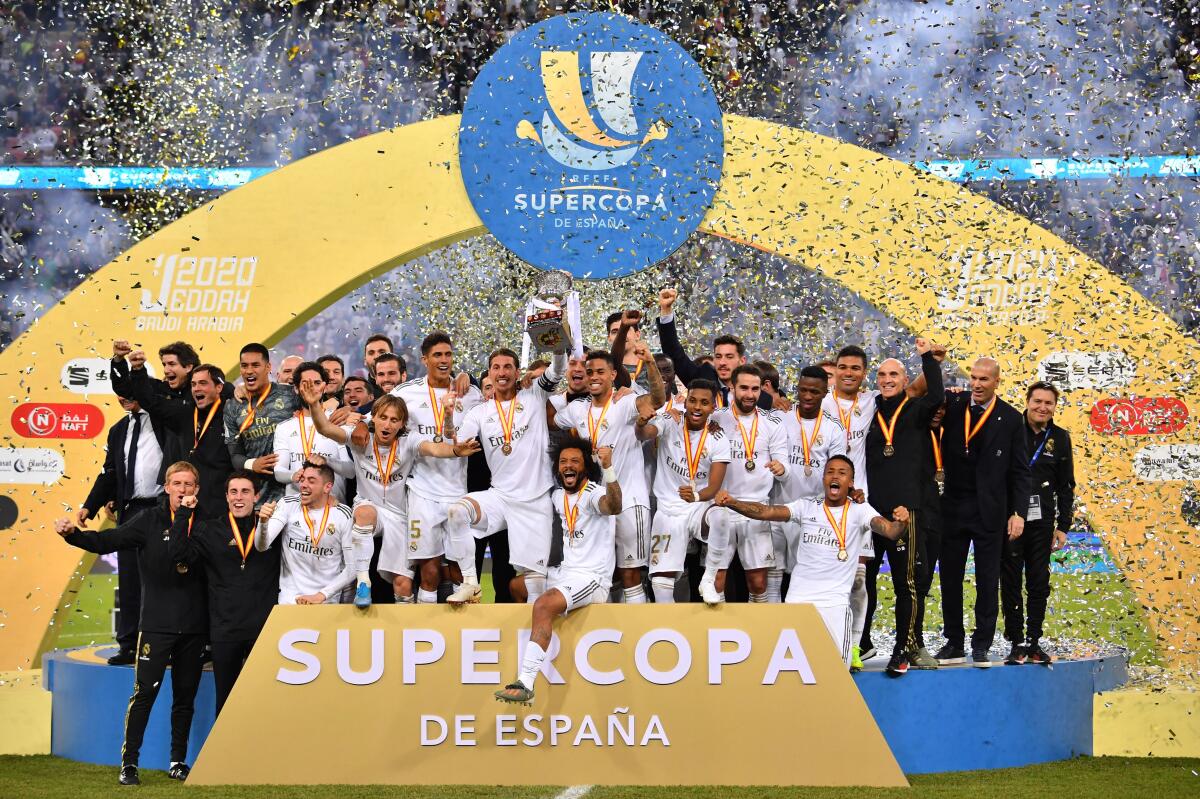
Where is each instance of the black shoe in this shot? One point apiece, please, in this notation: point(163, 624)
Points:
point(129, 776)
point(124, 657)
point(980, 659)
point(898, 665)
point(867, 652)
point(1038, 656)
point(1016, 657)
point(179, 771)
point(950, 654)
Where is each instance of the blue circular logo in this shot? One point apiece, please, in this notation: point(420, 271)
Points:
point(591, 143)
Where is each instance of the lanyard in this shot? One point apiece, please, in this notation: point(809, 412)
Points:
point(806, 444)
point(198, 433)
point(385, 473)
point(595, 425)
point(970, 432)
point(438, 412)
point(306, 441)
point(693, 456)
point(253, 409)
point(571, 515)
point(191, 519)
point(839, 530)
point(313, 535)
point(748, 441)
point(889, 428)
point(243, 547)
point(1037, 452)
point(848, 418)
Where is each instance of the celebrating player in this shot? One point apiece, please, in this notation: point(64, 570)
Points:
point(297, 441)
point(583, 578)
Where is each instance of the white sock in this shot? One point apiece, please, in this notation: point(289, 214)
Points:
point(364, 577)
point(635, 595)
point(426, 597)
point(718, 541)
point(362, 539)
point(535, 585)
point(403, 600)
point(774, 585)
point(469, 575)
point(663, 588)
point(531, 664)
point(858, 604)
point(758, 598)
point(460, 541)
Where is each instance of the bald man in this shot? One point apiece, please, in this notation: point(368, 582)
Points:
point(287, 368)
point(987, 493)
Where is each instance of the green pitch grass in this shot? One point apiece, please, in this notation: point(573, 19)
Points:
point(1088, 607)
point(44, 777)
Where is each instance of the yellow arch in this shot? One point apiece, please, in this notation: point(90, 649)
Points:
point(936, 256)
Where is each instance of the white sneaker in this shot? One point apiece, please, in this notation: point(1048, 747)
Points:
point(709, 593)
point(467, 594)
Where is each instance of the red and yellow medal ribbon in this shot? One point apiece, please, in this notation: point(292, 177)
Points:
point(970, 432)
point(839, 531)
point(506, 421)
point(641, 365)
point(936, 438)
point(306, 441)
point(594, 425)
point(243, 547)
point(253, 409)
point(313, 535)
point(693, 456)
point(197, 432)
point(889, 428)
point(847, 417)
point(752, 439)
point(571, 515)
point(806, 443)
point(191, 519)
point(438, 413)
point(385, 473)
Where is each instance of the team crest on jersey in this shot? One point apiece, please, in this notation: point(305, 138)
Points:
point(278, 404)
point(819, 440)
point(1049, 446)
point(412, 547)
point(520, 408)
point(458, 406)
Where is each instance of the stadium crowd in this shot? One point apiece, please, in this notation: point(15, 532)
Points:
point(616, 475)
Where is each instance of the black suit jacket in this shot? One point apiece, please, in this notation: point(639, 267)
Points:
point(689, 370)
point(110, 483)
point(999, 459)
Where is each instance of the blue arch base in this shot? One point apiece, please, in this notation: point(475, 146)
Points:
point(952, 719)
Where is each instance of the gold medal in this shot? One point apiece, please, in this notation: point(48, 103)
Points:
point(843, 555)
point(940, 476)
point(437, 439)
point(807, 470)
point(889, 429)
point(181, 568)
point(506, 423)
point(507, 448)
point(806, 443)
point(748, 440)
point(750, 465)
point(839, 530)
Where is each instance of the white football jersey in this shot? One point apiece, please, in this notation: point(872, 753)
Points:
point(289, 446)
point(525, 472)
point(590, 545)
point(817, 574)
point(442, 479)
point(770, 444)
point(673, 473)
point(316, 560)
point(855, 418)
point(615, 427)
point(825, 438)
point(367, 470)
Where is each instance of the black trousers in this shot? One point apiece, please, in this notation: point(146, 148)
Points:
point(907, 560)
point(502, 570)
point(129, 582)
point(958, 535)
point(155, 651)
point(227, 659)
point(932, 540)
point(382, 591)
point(1029, 554)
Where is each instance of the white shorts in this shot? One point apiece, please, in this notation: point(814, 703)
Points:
point(530, 524)
point(632, 536)
point(579, 587)
point(780, 543)
point(754, 544)
point(426, 527)
point(672, 532)
point(393, 552)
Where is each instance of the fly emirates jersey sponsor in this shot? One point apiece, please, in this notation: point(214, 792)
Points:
point(588, 535)
point(811, 443)
point(317, 554)
point(855, 418)
point(524, 473)
point(376, 459)
point(442, 479)
point(673, 473)
point(613, 425)
point(818, 576)
point(769, 444)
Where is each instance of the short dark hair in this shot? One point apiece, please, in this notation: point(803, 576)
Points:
point(309, 366)
point(1041, 385)
point(540, 363)
point(851, 351)
point(721, 341)
point(324, 469)
point(841, 457)
point(745, 369)
point(255, 348)
point(704, 385)
point(585, 447)
point(503, 352)
point(214, 373)
point(379, 337)
point(602, 355)
point(616, 316)
point(242, 474)
point(335, 359)
point(815, 372)
point(353, 379)
point(769, 373)
point(390, 356)
point(433, 339)
point(183, 351)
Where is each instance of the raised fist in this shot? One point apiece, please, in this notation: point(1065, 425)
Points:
point(266, 511)
point(631, 318)
point(666, 301)
point(137, 359)
point(64, 527)
point(604, 456)
point(189, 502)
point(121, 349)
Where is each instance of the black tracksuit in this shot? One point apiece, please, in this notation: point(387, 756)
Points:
point(1053, 473)
point(240, 597)
point(929, 523)
point(173, 628)
point(898, 480)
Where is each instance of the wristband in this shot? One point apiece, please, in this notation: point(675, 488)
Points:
point(610, 475)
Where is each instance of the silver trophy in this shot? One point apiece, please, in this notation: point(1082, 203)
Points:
point(548, 317)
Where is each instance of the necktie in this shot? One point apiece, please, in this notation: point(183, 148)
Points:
point(131, 457)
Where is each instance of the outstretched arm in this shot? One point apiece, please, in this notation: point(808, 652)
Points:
point(892, 530)
point(753, 510)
